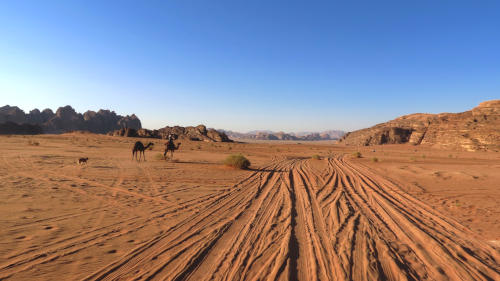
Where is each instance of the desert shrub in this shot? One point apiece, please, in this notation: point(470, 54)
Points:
point(316, 157)
point(198, 147)
point(159, 156)
point(375, 159)
point(237, 161)
point(33, 143)
point(357, 154)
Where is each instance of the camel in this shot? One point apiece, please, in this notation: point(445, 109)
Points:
point(170, 146)
point(138, 148)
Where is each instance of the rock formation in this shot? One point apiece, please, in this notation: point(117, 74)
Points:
point(11, 128)
point(302, 136)
point(477, 129)
point(198, 133)
point(67, 119)
point(12, 114)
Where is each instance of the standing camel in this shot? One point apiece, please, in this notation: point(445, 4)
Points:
point(138, 148)
point(170, 146)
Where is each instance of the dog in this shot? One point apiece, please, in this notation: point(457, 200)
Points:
point(82, 161)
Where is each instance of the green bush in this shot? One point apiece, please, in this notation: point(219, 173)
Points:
point(357, 154)
point(237, 161)
point(316, 157)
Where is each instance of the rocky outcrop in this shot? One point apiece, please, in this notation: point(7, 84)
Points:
point(11, 128)
point(477, 129)
point(198, 133)
point(131, 121)
point(67, 119)
point(105, 121)
point(12, 114)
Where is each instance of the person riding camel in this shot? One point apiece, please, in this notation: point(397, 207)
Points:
point(170, 146)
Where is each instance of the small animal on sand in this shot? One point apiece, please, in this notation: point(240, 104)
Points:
point(139, 148)
point(82, 160)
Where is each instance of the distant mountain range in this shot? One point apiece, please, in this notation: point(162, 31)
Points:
point(13, 120)
point(270, 135)
point(65, 119)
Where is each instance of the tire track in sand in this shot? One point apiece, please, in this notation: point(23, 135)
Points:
point(295, 221)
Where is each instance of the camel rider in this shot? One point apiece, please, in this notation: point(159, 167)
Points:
point(170, 144)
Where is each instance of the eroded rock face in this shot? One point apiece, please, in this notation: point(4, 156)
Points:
point(477, 129)
point(198, 133)
point(67, 119)
point(105, 121)
point(130, 121)
point(12, 114)
point(11, 128)
point(124, 132)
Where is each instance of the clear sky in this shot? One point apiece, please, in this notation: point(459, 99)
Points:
point(244, 65)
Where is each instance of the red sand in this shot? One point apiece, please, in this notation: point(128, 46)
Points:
point(413, 215)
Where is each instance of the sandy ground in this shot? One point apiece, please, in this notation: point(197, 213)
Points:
point(415, 214)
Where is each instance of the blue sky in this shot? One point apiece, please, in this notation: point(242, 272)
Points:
point(244, 65)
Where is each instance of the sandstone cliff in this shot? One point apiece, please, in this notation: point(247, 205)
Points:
point(477, 129)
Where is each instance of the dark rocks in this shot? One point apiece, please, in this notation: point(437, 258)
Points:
point(11, 128)
point(12, 114)
point(131, 121)
point(124, 132)
point(67, 119)
point(198, 133)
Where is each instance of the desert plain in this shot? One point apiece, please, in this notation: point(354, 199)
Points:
point(399, 212)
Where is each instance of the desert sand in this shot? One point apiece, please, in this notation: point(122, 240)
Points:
point(417, 213)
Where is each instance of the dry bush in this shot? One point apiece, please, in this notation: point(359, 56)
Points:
point(375, 159)
point(357, 154)
point(33, 143)
point(159, 156)
point(316, 157)
point(237, 161)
